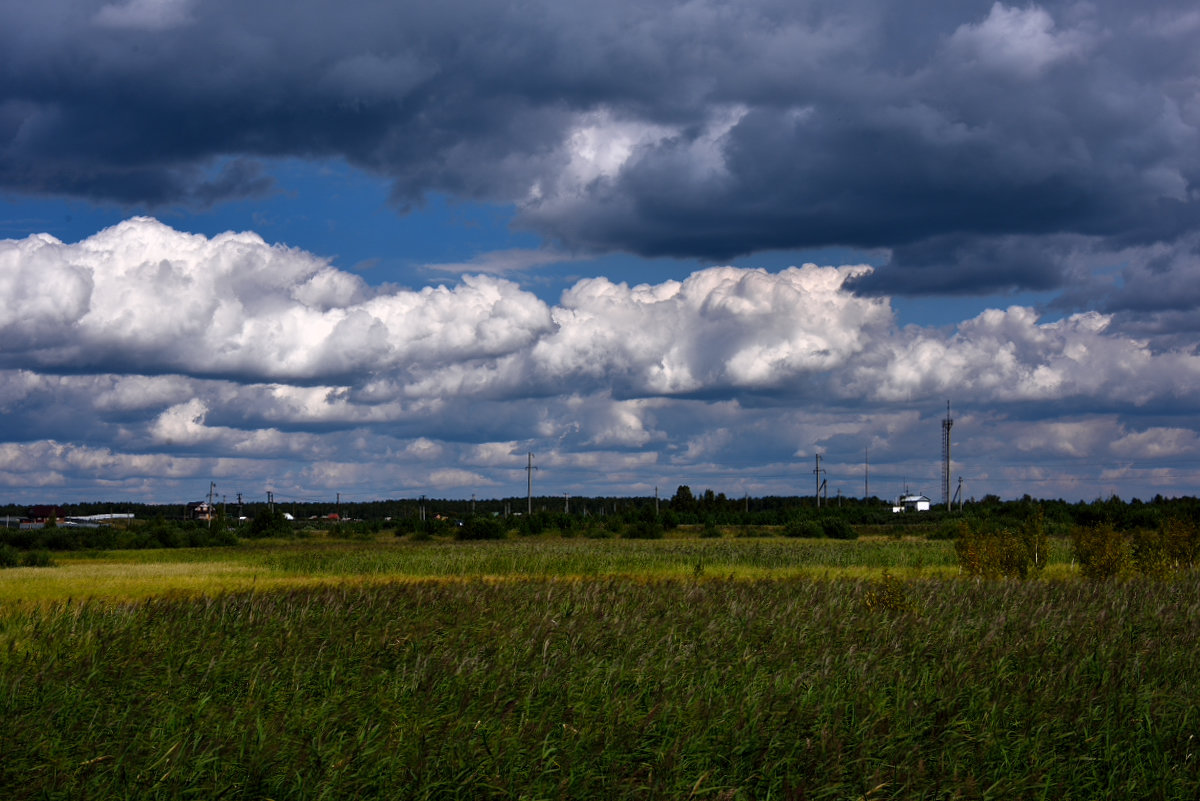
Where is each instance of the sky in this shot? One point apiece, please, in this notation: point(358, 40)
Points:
point(386, 250)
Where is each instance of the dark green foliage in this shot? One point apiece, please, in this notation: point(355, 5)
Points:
point(405, 526)
point(355, 529)
point(1102, 551)
point(803, 527)
point(9, 556)
point(683, 502)
point(611, 688)
point(269, 523)
point(1173, 546)
point(891, 594)
point(838, 529)
point(36, 559)
point(157, 532)
point(1001, 552)
point(481, 528)
point(643, 529)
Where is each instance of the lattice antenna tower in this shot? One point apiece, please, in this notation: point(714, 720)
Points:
point(946, 424)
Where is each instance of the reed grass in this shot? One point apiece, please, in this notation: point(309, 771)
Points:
point(669, 680)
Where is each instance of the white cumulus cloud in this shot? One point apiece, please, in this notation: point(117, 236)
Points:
point(143, 357)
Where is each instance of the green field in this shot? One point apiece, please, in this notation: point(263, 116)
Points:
point(572, 668)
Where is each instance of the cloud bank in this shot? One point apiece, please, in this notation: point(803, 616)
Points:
point(144, 362)
point(985, 145)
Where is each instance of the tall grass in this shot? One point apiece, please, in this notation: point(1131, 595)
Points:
point(609, 687)
point(581, 557)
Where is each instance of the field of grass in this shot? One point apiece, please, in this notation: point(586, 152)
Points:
point(126, 575)
point(569, 669)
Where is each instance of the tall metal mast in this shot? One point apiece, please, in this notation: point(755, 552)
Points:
point(946, 424)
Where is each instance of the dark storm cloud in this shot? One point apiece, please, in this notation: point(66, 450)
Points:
point(959, 263)
point(967, 136)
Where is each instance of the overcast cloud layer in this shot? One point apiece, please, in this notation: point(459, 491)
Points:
point(972, 148)
point(143, 359)
point(985, 146)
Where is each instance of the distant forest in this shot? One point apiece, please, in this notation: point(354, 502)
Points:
point(683, 508)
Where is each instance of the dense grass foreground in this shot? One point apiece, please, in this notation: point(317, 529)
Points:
point(610, 688)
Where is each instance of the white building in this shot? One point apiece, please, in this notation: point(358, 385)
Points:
point(912, 503)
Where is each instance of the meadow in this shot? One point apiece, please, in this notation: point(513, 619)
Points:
point(572, 668)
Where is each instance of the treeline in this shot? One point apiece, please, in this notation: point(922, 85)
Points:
point(157, 532)
point(705, 513)
point(684, 507)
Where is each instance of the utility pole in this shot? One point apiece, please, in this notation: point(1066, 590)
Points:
point(271, 501)
point(566, 503)
point(212, 488)
point(339, 507)
point(818, 472)
point(867, 473)
point(529, 468)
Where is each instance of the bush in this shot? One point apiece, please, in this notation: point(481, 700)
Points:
point(801, 527)
point(890, 594)
point(999, 553)
point(1180, 541)
point(643, 530)
point(37, 559)
point(1102, 551)
point(9, 557)
point(480, 528)
point(1169, 548)
point(948, 530)
point(838, 529)
point(269, 523)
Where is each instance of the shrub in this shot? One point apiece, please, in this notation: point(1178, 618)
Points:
point(838, 529)
point(269, 523)
point(891, 594)
point(802, 527)
point(999, 553)
point(480, 528)
point(1171, 547)
point(9, 557)
point(1102, 551)
point(1180, 541)
point(948, 530)
point(37, 559)
point(643, 530)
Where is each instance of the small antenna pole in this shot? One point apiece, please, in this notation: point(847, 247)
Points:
point(529, 468)
point(817, 473)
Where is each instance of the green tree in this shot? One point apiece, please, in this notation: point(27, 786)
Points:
point(683, 501)
point(269, 523)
